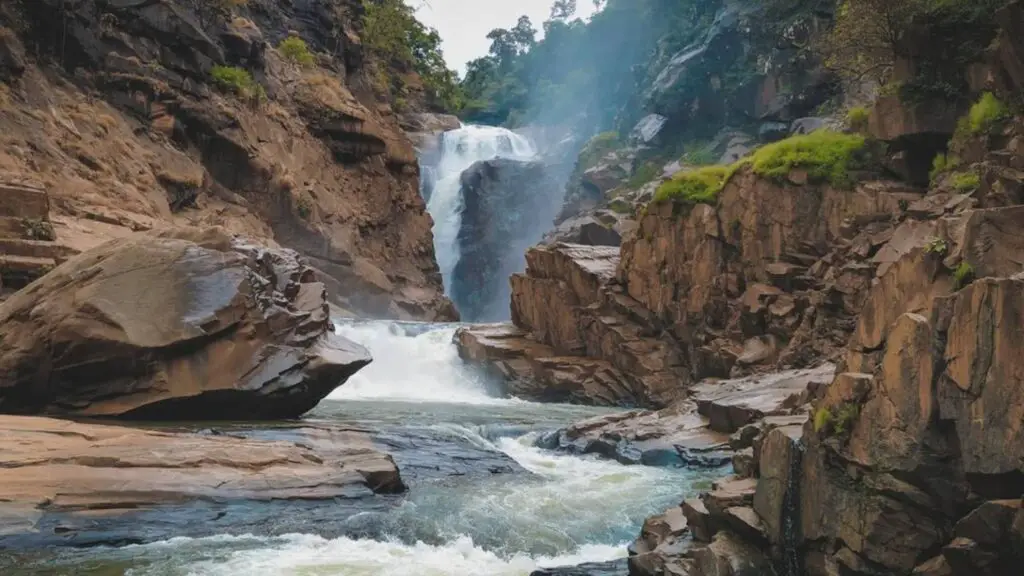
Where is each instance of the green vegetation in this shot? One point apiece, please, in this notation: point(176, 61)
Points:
point(700, 186)
point(985, 116)
point(597, 148)
point(822, 419)
point(963, 275)
point(238, 81)
point(857, 119)
point(827, 157)
point(942, 164)
point(647, 172)
point(304, 208)
point(936, 246)
point(295, 49)
point(392, 32)
point(965, 182)
point(838, 423)
point(870, 37)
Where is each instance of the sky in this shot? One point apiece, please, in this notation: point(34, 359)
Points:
point(464, 24)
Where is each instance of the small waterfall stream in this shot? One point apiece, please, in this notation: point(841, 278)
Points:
point(460, 149)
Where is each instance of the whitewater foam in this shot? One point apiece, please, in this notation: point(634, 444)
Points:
point(422, 367)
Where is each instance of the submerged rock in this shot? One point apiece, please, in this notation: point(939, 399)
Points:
point(59, 475)
point(179, 325)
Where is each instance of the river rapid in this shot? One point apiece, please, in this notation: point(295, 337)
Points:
point(482, 499)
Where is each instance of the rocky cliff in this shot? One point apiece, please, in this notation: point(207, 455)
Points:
point(259, 116)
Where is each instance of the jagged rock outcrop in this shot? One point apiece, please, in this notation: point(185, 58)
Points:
point(27, 247)
point(58, 478)
point(136, 115)
point(502, 199)
point(771, 277)
point(176, 325)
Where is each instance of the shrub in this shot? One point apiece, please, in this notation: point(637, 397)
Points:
point(236, 80)
point(936, 246)
point(644, 174)
point(822, 418)
point(941, 164)
point(963, 275)
point(986, 114)
point(700, 186)
point(857, 118)
point(296, 50)
point(966, 182)
point(845, 418)
point(304, 208)
point(827, 156)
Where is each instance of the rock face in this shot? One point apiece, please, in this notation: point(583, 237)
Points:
point(131, 130)
point(58, 476)
point(182, 324)
point(770, 278)
point(503, 203)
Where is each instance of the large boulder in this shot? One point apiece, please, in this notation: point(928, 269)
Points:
point(182, 324)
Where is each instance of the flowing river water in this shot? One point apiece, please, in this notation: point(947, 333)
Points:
point(482, 499)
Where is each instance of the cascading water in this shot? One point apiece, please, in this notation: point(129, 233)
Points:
point(460, 149)
point(483, 500)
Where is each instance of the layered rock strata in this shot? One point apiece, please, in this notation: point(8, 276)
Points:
point(177, 325)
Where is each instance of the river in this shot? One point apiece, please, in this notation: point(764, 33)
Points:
point(482, 499)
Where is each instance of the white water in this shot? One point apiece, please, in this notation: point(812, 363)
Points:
point(460, 149)
point(422, 368)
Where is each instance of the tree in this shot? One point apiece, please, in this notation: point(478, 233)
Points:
point(563, 10)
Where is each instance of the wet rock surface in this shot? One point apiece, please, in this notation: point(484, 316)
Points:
point(86, 484)
point(183, 324)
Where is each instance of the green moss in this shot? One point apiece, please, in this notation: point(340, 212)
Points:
point(857, 118)
point(827, 157)
point(304, 208)
point(822, 418)
point(846, 418)
point(700, 186)
point(965, 182)
point(963, 275)
point(296, 50)
point(236, 80)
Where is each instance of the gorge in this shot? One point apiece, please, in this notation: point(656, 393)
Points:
point(694, 288)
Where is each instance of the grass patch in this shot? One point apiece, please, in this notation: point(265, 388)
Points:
point(857, 119)
point(963, 275)
point(700, 186)
point(827, 157)
point(965, 182)
point(836, 423)
point(237, 81)
point(296, 50)
point(822, 418)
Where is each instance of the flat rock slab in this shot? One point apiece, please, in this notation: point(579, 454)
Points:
point(731, 404)
point(83, 472)
point(674, 436)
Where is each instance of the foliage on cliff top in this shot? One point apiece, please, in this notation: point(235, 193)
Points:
point(392, 32)
point(827, 157)
point(700, 186)
point(940, 37)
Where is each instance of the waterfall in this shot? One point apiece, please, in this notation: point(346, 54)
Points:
point(792, 564)
point(460, 149)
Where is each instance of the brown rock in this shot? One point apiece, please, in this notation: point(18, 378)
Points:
point(935, 567)
point(731, 404)
point(778, 486)
point(55, 466)
point(727, 494)
point(182, 324)
point(698, 519)
point(728, 555)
